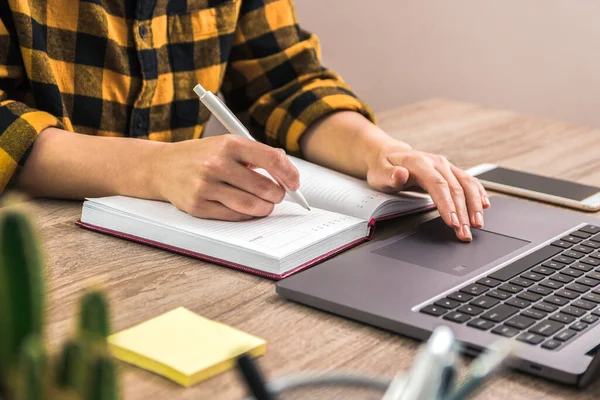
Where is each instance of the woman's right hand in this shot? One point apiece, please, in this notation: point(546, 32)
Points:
point(211, 178)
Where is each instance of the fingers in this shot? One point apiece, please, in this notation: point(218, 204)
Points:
point(485, 200)
point(253, 182)
point(458, 194)
point(387, 177)
point(425, 175)
point(240, 201)
point(260, 155)
point(473, 196)
point(215, 210)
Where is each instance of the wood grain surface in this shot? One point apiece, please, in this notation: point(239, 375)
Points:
point(143, 282)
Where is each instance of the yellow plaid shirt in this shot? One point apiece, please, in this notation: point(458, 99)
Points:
point(127, 68)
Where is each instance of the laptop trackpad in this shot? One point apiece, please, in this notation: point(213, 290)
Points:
point(434, 245)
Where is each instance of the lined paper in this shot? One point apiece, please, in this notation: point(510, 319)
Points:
point(288, 220)
point(334, 191)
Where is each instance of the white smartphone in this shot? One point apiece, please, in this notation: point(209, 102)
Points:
point(551, 190)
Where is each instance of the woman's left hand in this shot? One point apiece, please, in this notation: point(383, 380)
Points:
point(459, 197)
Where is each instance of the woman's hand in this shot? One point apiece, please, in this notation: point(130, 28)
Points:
point(210, 178)
point(459, 197)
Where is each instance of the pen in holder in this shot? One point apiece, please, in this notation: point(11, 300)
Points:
point(432, 376)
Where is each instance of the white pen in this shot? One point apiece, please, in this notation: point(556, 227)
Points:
point(425, 378)
point(235, 127)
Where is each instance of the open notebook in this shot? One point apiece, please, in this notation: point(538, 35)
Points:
point(343, 213)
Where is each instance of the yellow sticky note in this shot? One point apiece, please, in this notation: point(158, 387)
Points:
point(184, 346)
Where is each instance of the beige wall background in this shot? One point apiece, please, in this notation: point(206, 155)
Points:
point(535, 56)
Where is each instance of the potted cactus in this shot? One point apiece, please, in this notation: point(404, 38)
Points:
point(84, 368)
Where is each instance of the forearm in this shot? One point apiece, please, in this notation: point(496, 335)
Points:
point(73, 166)
point(346, 141)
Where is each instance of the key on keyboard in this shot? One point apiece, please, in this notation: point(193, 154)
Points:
point(584, 303)
point(573, 254)
point(459, 296)
point(565, 335)
point(434, 310)
point(591, 297)
point(515, 302)
point(489, 282)
point(474, 289)
point(529, 296)
point(509, 287)
point(547, 328)
point(505, 331)
point(535, 314)
point(447, 303)
point(530, 338)
point(579, 326)
point(591, 244)
point(562, 278)
point(564, 318)
point(543, 270)
point(499, 294)
point(520, 322)
point(540, 290)
point(592, 261)
point(563, 259)
point(577, 287)
point(554, 265)
point(572, 239)
point(582, 249)
point(470, 310)
point(480, 324)
point(485, 302)
point(588, 281)
point(574, 311)
point(590, 229)
point(551, 344)
point(500, 313)
point(582, 267)
point(457, 317)
point(581, 234)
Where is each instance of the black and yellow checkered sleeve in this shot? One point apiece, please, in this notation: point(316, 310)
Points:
point(275, 80)
point(19, 124)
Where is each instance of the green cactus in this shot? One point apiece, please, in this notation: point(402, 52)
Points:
point(21, 285)
point(70, 366)
point(103, 380)
point(84, 369)
point(31, 370)
point(93, 319)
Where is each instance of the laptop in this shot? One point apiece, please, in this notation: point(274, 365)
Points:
point(531, 275)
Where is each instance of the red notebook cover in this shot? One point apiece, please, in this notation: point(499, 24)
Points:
point(244, 268)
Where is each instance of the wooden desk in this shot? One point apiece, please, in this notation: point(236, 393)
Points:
point(143, 282)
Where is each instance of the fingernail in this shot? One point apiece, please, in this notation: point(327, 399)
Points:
point(393, 173)
point(479, 218)
point(467, 231)
point(486, 201)
point(454, 219)
point(282, 151)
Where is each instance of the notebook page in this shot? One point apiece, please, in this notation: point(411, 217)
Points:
point(337, 192)
point(288, 229)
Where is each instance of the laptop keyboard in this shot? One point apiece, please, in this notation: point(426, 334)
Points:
point(546, 298)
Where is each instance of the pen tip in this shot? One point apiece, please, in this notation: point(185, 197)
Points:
point(308, 208)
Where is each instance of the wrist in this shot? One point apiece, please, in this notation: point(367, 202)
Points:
point(155, 162)
point(144, 178)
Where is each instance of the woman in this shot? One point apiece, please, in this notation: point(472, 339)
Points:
point(82, 82)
